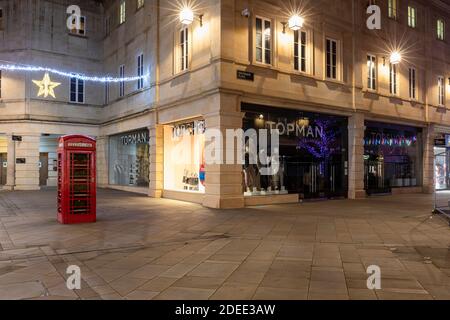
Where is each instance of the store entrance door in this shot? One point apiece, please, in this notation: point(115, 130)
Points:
point(317, 180)
point(43, 169)
point(3, 168)
point(374, 177)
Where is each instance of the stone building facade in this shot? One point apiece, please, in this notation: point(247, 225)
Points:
point(237, 65)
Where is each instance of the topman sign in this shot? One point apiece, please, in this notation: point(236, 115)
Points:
point(296, 129)
point(140, 137)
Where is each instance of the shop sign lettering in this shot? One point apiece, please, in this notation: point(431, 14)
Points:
point(382, 139)
point(293, 128)
point(135, 138)
point(79, 145)
point(188, 129)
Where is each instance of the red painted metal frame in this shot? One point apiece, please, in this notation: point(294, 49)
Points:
point(77, 179)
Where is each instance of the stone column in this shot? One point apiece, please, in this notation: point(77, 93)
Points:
point(356, 157)
point(11, 170)
point(102, 161)
point(428, 159)
point(27, 174)
point(224, 181)
point(156, 134)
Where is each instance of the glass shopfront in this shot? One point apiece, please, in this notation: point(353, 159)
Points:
point(392, 157)
point(442, 162)
point(313, 154)
point(184, 160)
point(129, 159)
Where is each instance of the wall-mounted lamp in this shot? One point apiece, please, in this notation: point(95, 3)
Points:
point(187, 17)
point(395, 57)
point(284, 27)
point(296, 22)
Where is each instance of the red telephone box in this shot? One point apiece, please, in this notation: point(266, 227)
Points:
point(76, 179)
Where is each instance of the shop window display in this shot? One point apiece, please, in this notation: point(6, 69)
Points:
point(184, 164)
point(129, 159)
point(392, 157)
point(312, 153)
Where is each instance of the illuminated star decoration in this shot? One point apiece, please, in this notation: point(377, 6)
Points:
point(46, 86)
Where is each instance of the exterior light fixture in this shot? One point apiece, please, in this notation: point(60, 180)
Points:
point(284, 27)
point(187, 17)
point(296, 22)
point(395, 58)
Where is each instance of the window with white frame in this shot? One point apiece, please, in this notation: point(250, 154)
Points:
point(440, 25)
point(441, 91)
point(301, 51)
point(184, 49)
point(392, 9)
point(139, 4)
point(76, 90)
point(412, 17)
point(263, 41)
point(82, 30)
point(122, 83)
point(371, 72)
point(332, 59)
point(393, 79)
point(122, 12)
point(412, 83)
point(140, 71)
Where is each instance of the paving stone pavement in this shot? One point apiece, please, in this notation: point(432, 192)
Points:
point(143, 248)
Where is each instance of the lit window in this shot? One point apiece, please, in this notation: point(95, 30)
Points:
point(440, 29)
point(263, 41)
point(121, 83)
point(76, 90)
point(412, 84)
point(82, 30)
point(300, 51)
point(122, 12)
point(441, 91)
point(184, 49)
point(392, 9)
point(140, 71)
point(332, 59)
point(140, 4)
point(393, 79)
point(371, 72)
point(412, 17)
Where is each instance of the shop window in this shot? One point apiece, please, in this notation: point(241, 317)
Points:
point(412, 83)
point(332, 58)
point(122, 12)
point(122, 83)
point(371, 72)
point(412, 17)
point(140, 71)
point(393, 157)
point(392, 9)
point(301, 51)
point(312, 153)
point(184, 163)
point(441, 91)
point(129, 159)
point(263, 43)
point(76, 90)
point(440, 29)
point(393, 79)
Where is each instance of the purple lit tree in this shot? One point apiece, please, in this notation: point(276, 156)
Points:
point(321, 147)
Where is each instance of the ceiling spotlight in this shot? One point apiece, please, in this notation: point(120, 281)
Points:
point(395, 58)
point(296, 22)
point(186, 16)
